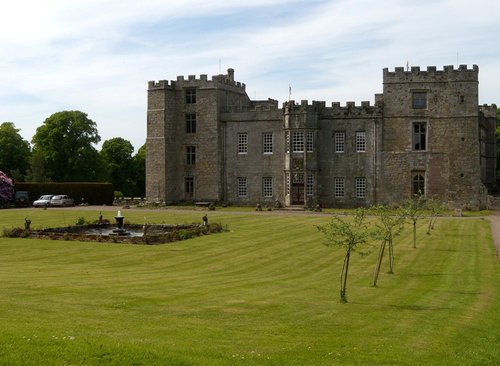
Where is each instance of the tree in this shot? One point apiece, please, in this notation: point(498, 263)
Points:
point(348, 234)
point(117, 154)
point(6, 189)
point(15, 151)
point(65, 140)
point(413, 210)
point(435, 208)
point(388, 226)
point(139, 174)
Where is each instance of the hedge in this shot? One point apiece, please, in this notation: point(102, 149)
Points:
point(92, 193)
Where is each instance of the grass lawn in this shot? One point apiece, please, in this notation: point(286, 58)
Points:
point(263, 293)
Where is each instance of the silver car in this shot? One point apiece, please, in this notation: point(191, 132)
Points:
point(43, 201)
point(61, 200)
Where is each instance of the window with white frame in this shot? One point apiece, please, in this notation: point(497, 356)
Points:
point(297, 141)
point(360, 187)
point(242, 187)
point(242, 143)
point(267, 143)
point(418, 183)
point(309, 184)
point(267, 186)
point(361, 141)
point(419, 100)
point(339, 186)
point(339, 142)
point(309, 141)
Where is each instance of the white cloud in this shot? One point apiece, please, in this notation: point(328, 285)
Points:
point(97, 56)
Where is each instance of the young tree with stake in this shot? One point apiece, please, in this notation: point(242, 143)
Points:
point(348, 234)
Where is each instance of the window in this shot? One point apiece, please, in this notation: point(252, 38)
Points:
point(191, 123)
point(309, 142)
point(419, 100)
point(242, 187)
point(288, 184)
point(309, 184)
point(242, 143)
point(418, 184)
point(339, 185)
point(339, 142)
point(287, 142)
point(419, 135)
point(297, 141)
point(189, 187)
point(190, 155)
point(267, 143)
point(360, 187)
point(190, 96)
point(360, 141)
point(267, 186)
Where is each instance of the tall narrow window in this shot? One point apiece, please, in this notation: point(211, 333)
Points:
point(189, 187)
point(360, 187)
point(309, 141)
point(287, 142)
point(339, 185)
point(267, 143)
point(242, 143)
point(297, 141)
point(191, 123)
point(190, 155)
point(190, 96)
point(287, 184)
point(419, 100)
point(360, 141)
point(339, 142)
point(419, 136)
point(418, 183)
point(242, 187)
point(309, 184)
point(267, 187)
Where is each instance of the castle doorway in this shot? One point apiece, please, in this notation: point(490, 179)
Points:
point(297, 193)
point(298, 189)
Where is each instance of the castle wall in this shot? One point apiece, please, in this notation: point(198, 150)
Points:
point(425, 131)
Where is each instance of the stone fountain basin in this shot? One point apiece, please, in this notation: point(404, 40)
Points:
point(135, 234)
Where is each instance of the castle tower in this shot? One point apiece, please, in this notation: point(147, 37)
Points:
point(184, 145)
point(430, 142)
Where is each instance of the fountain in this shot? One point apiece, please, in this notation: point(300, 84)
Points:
point(119, 225)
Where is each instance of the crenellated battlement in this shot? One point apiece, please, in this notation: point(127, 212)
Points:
point(255, 106)
point(489, 111)
point(336, 109)
point(462, 73)
point(202, 81)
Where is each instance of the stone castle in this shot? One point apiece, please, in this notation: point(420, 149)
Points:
point(207, 141)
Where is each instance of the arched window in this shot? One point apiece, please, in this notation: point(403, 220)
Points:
point(418, 184)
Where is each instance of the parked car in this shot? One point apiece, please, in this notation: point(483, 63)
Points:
point(21, 199)
point(62, 200)
point(43, 201)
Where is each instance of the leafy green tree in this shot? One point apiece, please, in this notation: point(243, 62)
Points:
point(14, 151)
point(139, 174)
point(117, 154)
point(65, 140)
point(388, 226)
point(349, 235)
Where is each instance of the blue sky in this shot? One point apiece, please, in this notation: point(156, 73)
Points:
point(98, 55)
